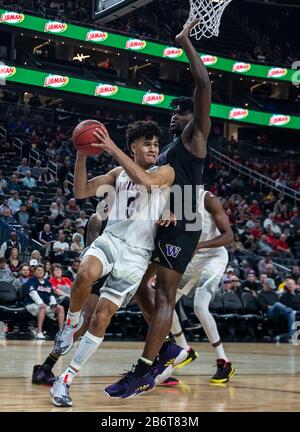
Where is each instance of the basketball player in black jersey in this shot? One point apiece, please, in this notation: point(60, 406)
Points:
point(175, 244)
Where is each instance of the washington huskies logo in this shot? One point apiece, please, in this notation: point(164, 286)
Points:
point(173, 251)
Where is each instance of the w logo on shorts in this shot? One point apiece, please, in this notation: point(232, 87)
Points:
point(173, 251)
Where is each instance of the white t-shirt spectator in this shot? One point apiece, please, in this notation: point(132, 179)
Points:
point(14, 204)
point(57, 245)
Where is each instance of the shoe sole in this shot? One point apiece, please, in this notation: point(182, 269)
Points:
point(223, 380)
point(187, 361)
point(169, 384)
point(128, 397)
point(169, 370)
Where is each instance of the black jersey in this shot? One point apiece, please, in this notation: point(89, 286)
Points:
point(188, 172)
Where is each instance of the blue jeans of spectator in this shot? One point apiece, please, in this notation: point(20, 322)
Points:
point(280, 309)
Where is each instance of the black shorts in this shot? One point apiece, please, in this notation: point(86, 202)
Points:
point(98, 285)
point(174, 248)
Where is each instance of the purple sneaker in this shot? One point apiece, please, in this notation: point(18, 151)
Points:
point(42, 375)
point(130, 385)
point(167, 362)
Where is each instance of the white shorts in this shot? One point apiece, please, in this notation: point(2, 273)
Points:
point(205, 271)
point(34, 308)
point(125, 265)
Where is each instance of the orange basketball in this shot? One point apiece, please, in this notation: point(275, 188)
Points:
point(83, 136)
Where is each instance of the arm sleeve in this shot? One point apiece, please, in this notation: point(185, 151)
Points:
point(35, 297)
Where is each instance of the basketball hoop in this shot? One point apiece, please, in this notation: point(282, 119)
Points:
point(209, 12)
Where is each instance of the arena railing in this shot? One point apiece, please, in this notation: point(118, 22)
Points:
point(101, 36)
point(248, 172)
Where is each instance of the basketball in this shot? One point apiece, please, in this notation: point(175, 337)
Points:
point(83, 136)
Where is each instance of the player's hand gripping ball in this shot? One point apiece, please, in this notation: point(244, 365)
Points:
point(83, 136)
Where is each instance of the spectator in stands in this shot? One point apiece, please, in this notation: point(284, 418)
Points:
point(6, 216)
point(34, 203)
point(227, 285)
point(10, 244)
point(35, 254)
point(295, 272)
point(250, 284)
point(3, 182)
point(5, 272)
point(22, 216)
point(282, 246)
point(30, 209)
point(55, 215)
point(3, 205)
point(61, 285)
point(295, 218)
point(236, 284)
point(80, 232)
point(60, 246)
point(71, 273)
point(46, 176)
point(32, 265)
point(47, 266)
point(291, 296)
point(46, 237)
point(24, 167)
point(269, 222)
point(23, 277)
point(268, 302)
point(72, 209)
point(82, 220)
point(40, 301)
point(263, 245)
point(13, 184)
point(263, 263)
point(14, 261)
point(77, 245)
point(14, 203)
point(67, 229)
point(66, 190)
point(37, 170)
point(28, 181)
point(59, 194)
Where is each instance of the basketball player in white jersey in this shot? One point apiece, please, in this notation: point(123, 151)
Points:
point(204, 274)
point(123, 250)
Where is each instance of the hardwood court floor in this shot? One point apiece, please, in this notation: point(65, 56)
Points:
point(268, 379)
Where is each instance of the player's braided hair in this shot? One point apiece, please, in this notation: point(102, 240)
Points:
point(182, 104)
point(142, 128)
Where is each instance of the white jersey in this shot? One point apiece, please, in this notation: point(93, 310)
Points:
point(209, 227)
point(135, 211)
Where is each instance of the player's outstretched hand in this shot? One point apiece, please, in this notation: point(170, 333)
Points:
point(104, 141)
point(185, 33)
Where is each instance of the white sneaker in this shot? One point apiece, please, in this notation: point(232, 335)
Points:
point(60, 393)
point(65, 337)
point(40, 336)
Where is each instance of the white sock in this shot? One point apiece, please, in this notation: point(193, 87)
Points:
point(73, 318)
point(177, 332)
point(87, 346)
point(201, 304)
point(221, 353)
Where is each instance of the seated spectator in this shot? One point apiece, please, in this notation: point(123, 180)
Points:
point(24, 167)
point(59, 194)
point(270, 304)
point(22, 216)
point(23, 276)
point(291, 296)
point(67, 229)
point(77, 245)
point(5, 272)
point(30, 209)
point(236, 284)
point(80, 232)
point(55, 215)
point(250, 284)
point(60, 246)
point(263, 245)
point(40, 301)
point(61, 285)
point(29, 181)
point(10, 244)
point(262, 264)
point(282, 246)
point(34, 203)
point(13, 184)
point(275, 228)
point(37, 170)
point(46, 176)
point(227, 285)
point(72, 271)
point(46, 237)
point(72, 210)
point(295, 218)
point(14, 203)
point(4, 204)
point(3, 182)
point(36, 255)
point(82, 220)
point(7, 216)
point(47, 268)
point(14, 262)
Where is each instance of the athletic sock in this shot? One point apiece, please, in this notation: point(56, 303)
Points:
point(178, 333)
point(73, 318)
point(143, 366)
point(181, 341)
point(69, 375)
point(220, 352)
point(51, 360)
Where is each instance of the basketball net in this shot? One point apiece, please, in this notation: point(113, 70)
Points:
point(209, 12)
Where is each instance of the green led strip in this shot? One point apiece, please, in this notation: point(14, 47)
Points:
point(98, 37)
point(135, 96)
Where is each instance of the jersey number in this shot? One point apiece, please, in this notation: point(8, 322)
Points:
point(131, 205)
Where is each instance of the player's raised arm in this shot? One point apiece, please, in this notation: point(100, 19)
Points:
point(202, 95)
point(84, 188)
point(164, 176)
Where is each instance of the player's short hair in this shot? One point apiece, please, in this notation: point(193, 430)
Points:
point(141, 128)
point(182, 104)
